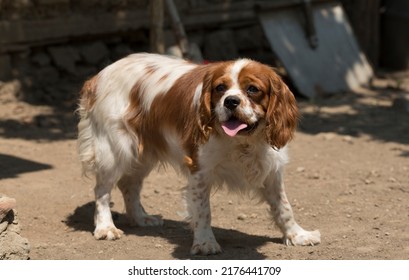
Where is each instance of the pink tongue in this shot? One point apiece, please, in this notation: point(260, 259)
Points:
point(232, 127)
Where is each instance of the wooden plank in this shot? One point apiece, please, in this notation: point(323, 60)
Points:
point(364, 17)
point(157, 18)
point(22, 33)
point(336, 65)
point(25, 31)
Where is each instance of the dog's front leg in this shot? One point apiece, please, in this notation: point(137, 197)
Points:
point(198, 206)
point(282, 213)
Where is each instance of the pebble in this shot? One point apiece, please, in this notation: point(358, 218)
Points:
point(348, 139)
point(6, 204)
point(242, 217)
point(300, 169)
point(328, 136)
point(3, 226)
point(392, 180)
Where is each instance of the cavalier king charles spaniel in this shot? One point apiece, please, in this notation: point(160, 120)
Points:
point(224, 123)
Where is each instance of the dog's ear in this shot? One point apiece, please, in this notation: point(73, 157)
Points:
point(204, 110)
point(282, 113)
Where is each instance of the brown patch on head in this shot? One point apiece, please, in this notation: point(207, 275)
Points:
point(267, 92)
point(254, 83)
point(217, 74)
point(88, 94)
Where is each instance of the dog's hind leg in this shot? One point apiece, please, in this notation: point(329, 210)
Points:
point(104, 225)
point(131, 186)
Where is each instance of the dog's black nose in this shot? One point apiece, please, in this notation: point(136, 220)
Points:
point(231, 102)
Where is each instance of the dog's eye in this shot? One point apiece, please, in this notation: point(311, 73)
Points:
point(221, 88)
point(252, 90)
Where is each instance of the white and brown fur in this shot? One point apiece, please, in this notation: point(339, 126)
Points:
point(148, 109)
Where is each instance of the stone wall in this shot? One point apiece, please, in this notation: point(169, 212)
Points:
point(12, 245)
point(51, 54)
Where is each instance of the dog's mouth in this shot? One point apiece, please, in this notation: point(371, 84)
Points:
point(234, 126)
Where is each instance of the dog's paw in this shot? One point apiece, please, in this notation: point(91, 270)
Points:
point(208, 247)
point(147, 221)
point(303, 238)
point(108, 233)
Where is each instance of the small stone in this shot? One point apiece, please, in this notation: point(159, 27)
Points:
point(328, 136)
point(6, 204)
point(349, 216)
point(253, 216)
point(158, 246)
point(94, 53)
point(242, 217)
point(387, 233)
point(316, 176)
point(392, 180)
point(367, 181)
point(300, 169)
point(41, 59)
point(348, 139)
point(3, 226)
point(230, 202)
point(341, 129)
point(401, 103)
point(64, 58)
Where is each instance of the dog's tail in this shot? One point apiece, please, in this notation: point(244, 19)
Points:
point(86, 137)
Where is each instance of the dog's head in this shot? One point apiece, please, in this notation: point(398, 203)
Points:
point(243, 97)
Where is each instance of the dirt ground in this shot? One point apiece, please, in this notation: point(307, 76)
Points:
point(348, 177)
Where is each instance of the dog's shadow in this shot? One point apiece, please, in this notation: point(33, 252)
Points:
point(236, 244)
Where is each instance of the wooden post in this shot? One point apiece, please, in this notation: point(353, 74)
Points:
point(178, 28)
point(364, 16)
point(157, 42)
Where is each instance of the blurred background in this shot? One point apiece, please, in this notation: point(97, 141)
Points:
point(51, 46)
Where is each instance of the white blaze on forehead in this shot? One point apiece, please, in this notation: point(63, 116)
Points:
point(236, 69)
point(234, 72)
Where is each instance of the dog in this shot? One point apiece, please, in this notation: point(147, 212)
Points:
point(223, 123)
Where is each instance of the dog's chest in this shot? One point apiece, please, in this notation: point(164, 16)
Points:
point(243, 167)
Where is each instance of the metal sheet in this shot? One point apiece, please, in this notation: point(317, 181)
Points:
point(335, 65)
